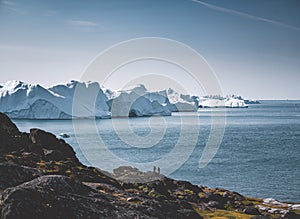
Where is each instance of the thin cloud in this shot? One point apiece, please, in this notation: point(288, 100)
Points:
point(81, 23)
point(245, 15)
point(12, 6)
point(9, 3)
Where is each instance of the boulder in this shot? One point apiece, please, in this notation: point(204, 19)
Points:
point(291, 215)
point(13, 175)
point(11, 139)
point(54, 197)
point(251, 210)
point(57, 148)
point(188, 214)
point(7, 126)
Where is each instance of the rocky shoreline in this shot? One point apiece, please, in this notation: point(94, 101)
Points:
point(41, 177)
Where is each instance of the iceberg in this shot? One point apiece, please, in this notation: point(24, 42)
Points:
point(32, 101)
point(235, 103)
point(212, 103)
point(174, 101)
point(135, 102)
point(138, 101)
point(247, 101)
point(182, 102)
point(222, 103)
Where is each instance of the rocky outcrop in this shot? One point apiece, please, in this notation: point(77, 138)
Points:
point(131, 174)
point(41, 177)
point(55, 197)
point(13, 175)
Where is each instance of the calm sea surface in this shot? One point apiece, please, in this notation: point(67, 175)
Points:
point(259, 155)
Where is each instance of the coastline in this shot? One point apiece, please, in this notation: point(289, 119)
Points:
point(43, 172)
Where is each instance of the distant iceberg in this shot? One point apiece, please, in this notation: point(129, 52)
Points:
point(235, 103)
point(246, 101)
point(220, 102)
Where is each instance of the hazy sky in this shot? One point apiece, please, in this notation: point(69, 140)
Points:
point(252, 45)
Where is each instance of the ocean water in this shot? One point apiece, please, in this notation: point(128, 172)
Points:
point(259, 155)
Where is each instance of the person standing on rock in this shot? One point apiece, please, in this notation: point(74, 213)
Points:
point(154, 169)
point(158, 170)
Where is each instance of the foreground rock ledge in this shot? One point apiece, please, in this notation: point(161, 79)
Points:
point(41, 177)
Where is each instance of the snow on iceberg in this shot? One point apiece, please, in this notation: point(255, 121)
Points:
point(138, 101)
point(30, 101)
point(89, 100)
point(135, 101)
point(212, 103)
point(182, 102)
point(247, 101)
point(235, 103)
point(222, 103)
point(174, 101)
point(85, 103)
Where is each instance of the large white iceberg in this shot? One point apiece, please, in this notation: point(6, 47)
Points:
point(31, 101)
point(135, 101)
point(138, 101)
point(90, 100)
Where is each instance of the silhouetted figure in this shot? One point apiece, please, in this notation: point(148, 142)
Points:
point(158, 170)
point(154, 169)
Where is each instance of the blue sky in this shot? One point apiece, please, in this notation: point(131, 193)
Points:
point(253, 46)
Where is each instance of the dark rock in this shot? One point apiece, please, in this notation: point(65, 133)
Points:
point(133, 199)
point(216, 200)
point(49, 141)
point(188, 214)
point(11, 139)
point(233, 196)
point(7, 126)
point(55, 197)
point(91, 174)
point(13, 175)
point(291, 215)
point(215, 204)
point(260, 217)
point(36, 148)
point(52, 155)
point(130, 174)
point(251, 210)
